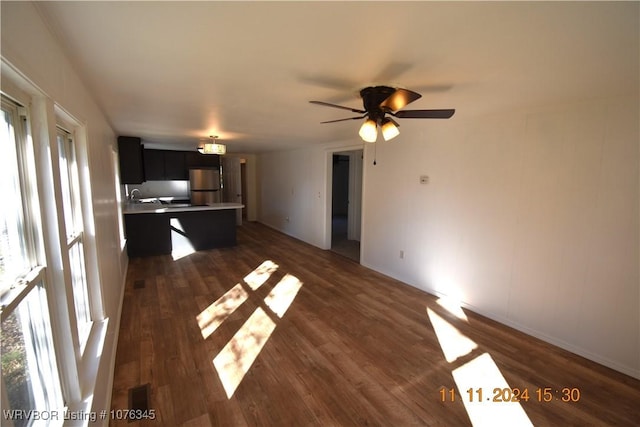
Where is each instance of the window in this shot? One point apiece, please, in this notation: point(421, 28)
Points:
point(70, 186)
point(14, 260)
point(30, 379)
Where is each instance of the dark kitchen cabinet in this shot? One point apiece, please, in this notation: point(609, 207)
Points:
point(175, 166)
point(147, 234)
point(150, 234)
point(130, 155)
point(197, 160)
point(138, 165)
point(164, 165)
point(154, 165)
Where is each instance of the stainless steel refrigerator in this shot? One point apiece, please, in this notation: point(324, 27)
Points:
point(204, 186)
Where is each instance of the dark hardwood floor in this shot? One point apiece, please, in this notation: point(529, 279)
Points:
point(334, 344)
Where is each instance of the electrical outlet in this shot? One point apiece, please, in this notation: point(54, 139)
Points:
point(286, 219)
point(424, 179)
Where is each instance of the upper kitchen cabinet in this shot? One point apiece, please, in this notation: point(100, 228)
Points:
point(138, 165)
point(175, 165)
point(154, 165)
point(197, 160)
point(130, 154)
point(165, 165)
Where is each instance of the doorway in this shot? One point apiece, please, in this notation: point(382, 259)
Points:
point(243, 186)
point(232, 183)
point(346, 203)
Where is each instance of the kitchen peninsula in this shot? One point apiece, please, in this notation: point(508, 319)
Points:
point(154, 228)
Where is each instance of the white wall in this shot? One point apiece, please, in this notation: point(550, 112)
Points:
point(530, 218)
point(292, 193)
point(29, 49)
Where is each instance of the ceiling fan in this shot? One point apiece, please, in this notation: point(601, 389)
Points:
point(380, 101)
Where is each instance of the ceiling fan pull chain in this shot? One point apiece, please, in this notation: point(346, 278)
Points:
point(375, 153)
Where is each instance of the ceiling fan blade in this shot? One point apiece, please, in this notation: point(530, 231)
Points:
point(399, 99)
point(342, 120)
point(329, 82)
point(434, 88)
point(424, 114)
point(327, 104)
point(392, 71)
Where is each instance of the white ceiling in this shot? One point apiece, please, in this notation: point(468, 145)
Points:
point(175, 72)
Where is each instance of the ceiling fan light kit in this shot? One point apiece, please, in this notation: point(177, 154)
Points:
point(369, 131)
point(212, 147)
point(378, 101)
point(389, 129)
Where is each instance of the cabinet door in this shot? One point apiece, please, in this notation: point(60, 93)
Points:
point(147, 234)
point(161, 165)
point(212, 160)
point(192, 159)
point(154, 165)
point(175, 166)
point(130, 154)
point(197, 160)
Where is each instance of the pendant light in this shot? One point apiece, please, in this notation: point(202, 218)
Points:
point(212, 147)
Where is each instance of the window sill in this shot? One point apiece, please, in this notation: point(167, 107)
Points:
point(94, 361)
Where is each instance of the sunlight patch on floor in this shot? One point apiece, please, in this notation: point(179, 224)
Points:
point(485, 381)
point(214, 315)
point(453, 307)
point(180, 244)
point(283, 294)
point(261, 274)
point(454, 344)
point(484, 391)
point(237, 356)
point(235, 359)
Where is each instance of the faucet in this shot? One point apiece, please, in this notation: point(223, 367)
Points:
point(132, 196)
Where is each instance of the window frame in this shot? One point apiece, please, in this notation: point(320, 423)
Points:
point(78, 132)
point(69, 182)
point(36, 279)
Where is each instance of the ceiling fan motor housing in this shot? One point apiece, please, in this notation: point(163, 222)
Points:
point(372, 98)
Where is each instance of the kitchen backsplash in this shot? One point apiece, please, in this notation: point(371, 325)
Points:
point(161, 189)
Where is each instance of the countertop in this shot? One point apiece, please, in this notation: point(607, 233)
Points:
point(137, 208)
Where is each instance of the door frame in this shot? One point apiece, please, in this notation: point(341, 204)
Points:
point(329, 192)
point(230, 168)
